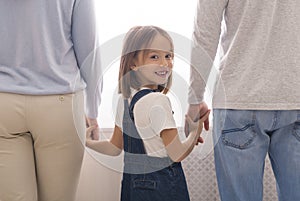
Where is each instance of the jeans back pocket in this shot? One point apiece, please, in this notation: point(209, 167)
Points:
point(296, 131)
point(238, 129)
point(238, 137)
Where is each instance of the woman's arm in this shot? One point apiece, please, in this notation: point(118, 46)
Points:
point(112, 147)
point(86, 43)
point(178, 150)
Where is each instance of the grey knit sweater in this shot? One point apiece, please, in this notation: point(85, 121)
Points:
point(259, 53)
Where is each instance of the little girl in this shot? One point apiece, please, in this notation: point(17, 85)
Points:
point(145, 128)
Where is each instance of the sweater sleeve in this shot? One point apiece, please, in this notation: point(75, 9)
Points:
point(206, 35)
point(86, 46)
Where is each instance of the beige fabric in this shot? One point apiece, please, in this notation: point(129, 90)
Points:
point(40, 149)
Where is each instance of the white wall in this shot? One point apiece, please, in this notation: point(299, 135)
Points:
point(116, 17)
point(101, 175)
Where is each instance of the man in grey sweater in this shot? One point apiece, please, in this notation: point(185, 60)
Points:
point(256, 102)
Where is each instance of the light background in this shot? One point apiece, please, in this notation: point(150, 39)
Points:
point(116, 17)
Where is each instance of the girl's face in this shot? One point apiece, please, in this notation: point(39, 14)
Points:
point(154, 66)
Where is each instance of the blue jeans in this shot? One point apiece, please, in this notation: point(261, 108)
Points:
point(242, 141)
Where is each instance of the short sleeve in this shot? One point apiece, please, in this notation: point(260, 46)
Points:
point(161, 115)
point(119, 112)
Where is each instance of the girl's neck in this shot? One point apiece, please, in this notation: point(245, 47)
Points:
point(153, 87)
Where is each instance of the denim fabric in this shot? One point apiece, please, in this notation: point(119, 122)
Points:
point(167, 184)
point(242, 141)
point(148, 178)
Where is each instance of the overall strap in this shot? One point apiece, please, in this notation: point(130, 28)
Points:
point(135, 99)
point(132, 140)
point(136, 161)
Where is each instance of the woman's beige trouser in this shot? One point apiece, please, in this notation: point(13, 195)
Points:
point(41, 146)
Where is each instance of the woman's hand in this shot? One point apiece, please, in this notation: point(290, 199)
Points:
point(95, 131)
point(89, 132)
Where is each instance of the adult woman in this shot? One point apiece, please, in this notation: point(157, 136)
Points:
point(47, 59)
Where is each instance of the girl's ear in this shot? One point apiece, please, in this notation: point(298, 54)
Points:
point(134, 68)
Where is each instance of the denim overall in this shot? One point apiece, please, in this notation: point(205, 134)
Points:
point(147, 178)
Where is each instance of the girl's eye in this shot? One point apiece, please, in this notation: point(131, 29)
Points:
point(169, 56)
point(154, 57)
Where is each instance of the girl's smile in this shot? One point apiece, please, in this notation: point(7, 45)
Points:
point(162, 74)
point(154, 65)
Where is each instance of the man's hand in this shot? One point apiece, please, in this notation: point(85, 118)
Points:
point(195, 112)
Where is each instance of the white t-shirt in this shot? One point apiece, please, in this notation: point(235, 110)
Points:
point(152, 114)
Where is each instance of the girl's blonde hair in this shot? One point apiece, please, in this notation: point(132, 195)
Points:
point(136, 41)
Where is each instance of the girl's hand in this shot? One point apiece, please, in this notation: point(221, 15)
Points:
point(197, 126)
point(89, 132)
point(194, 126)
point(196, 111)
point(203, 121)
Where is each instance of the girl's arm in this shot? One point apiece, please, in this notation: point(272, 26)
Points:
point(178, 150)
point(112, 147)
